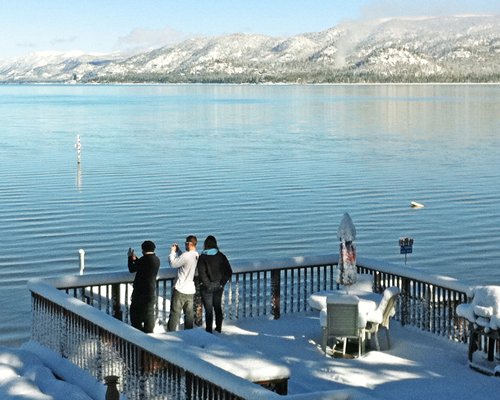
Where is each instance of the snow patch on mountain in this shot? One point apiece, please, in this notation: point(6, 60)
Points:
point(454, 48)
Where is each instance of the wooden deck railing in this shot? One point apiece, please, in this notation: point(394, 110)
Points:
point(427, 302)
point(80, 307)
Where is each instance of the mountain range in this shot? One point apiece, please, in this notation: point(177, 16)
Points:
point(427, 49)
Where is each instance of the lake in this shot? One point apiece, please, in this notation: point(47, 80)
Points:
point(269, 170)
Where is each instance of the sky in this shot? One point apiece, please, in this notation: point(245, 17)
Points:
point(105, 26)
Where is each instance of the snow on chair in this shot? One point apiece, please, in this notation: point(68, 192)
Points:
point(341, 322)
point(484, 310)
point(381, 316)
point(483, 314)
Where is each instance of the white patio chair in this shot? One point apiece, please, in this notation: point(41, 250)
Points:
point(381, 316)
point(341, 322)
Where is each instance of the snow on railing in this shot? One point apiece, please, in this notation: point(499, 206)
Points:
point(414, 274)
point(148, 367)
point(104, 346)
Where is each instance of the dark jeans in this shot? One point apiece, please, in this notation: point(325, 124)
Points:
point(212, 301)
point(142, 313)
point(180, 302)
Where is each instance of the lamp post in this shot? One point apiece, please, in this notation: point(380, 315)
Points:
point(406, 246)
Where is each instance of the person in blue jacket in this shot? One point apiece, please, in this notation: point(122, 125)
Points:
point(214, 272)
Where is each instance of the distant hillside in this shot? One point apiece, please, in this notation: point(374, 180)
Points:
point(440, 49)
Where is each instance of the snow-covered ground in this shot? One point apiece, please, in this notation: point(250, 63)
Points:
point(23, 375)
point(418, 365)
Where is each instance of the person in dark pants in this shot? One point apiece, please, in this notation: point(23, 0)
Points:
point(214, 271)
point(142, 306)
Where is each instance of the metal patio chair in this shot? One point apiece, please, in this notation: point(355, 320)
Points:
point(342, 323)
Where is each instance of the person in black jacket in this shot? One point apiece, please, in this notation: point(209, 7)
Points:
point(144, 294)
point(214, 271)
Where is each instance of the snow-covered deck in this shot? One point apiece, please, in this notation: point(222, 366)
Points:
point(419, 365)
point(266, 308)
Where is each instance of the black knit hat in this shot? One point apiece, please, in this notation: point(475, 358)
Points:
point(148, 246)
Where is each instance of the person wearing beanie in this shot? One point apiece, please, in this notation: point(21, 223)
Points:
point(142, 310)
point(214, 272)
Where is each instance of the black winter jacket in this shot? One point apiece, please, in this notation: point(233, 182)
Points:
point(146, 269)
point(213, 270)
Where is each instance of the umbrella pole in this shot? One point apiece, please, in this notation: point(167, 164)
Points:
point(341, 268)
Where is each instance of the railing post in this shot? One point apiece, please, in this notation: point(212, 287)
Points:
point(490, 350)
point(112, 392)
point(198, 307)
point(427, 309)
point(405, 303)
point(377, 285)
point(188, 376)
point(276, 292)
point(115, 301)
point(473, 336)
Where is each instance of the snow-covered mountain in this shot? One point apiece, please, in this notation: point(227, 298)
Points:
point(458, 48)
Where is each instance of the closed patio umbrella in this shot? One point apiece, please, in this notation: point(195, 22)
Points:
point(347, 256)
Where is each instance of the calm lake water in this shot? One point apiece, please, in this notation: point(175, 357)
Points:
point(269, 170)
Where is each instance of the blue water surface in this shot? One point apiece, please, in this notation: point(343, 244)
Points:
point(269, 170)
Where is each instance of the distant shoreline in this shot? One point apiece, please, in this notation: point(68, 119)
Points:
point(249, 84)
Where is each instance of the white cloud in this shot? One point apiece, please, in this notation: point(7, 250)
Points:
point(411, 8)
point(26, 45)
point(63, 40)
point(140, 39)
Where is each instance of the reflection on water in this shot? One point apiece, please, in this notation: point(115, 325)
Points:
point(269, 170)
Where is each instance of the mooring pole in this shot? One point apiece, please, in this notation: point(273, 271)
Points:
point(78, 147)
point(82, 260)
